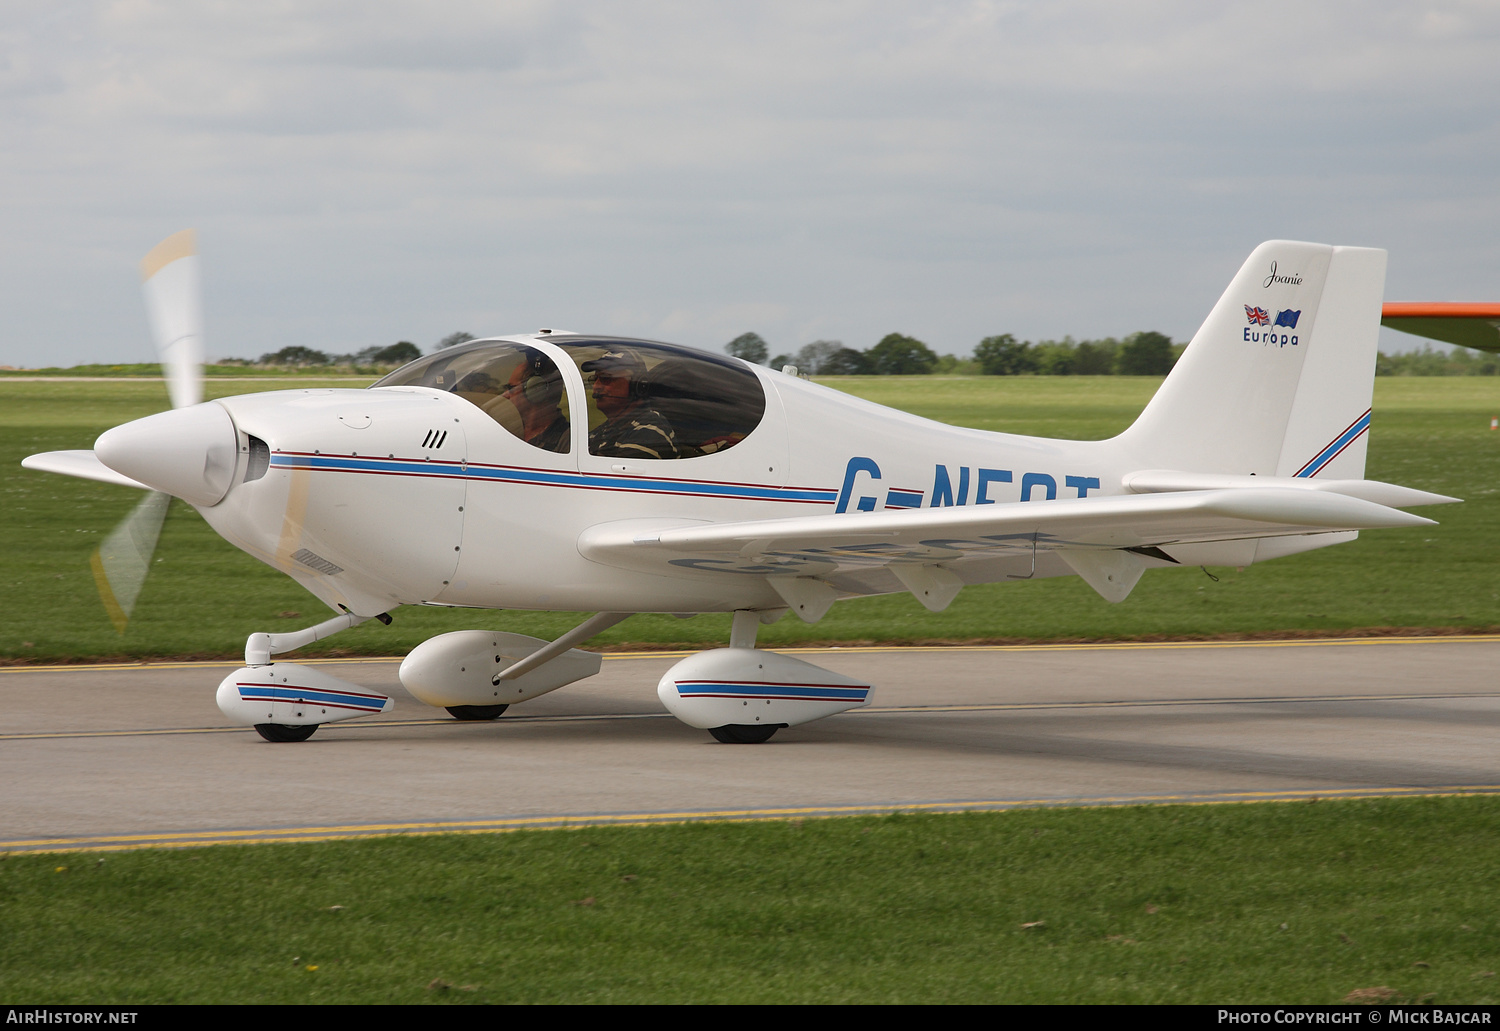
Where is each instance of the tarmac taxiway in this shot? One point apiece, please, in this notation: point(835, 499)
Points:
point(109, 757)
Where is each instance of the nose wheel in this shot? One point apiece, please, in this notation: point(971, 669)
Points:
point(280, 732)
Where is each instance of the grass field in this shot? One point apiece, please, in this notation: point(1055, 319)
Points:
point(1288, 902)
point(204, 597)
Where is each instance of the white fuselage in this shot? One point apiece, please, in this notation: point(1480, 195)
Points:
point(407, 495)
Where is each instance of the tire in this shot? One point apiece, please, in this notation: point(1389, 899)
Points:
point(280, 732)
point(745, 733)
point(476, 712)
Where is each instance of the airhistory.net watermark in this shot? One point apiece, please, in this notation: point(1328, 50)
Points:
point(43, 1015)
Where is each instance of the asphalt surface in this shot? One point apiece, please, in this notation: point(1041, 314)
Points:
point(122, 757)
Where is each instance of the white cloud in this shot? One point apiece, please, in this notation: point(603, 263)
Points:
point(362, 173)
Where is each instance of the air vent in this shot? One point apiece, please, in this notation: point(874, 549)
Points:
point(312, 560)
point(434, 438)
point(260, 459)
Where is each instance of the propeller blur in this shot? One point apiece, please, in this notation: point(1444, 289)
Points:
point(574, 472)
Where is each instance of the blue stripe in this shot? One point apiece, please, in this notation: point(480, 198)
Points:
point(694, 688)
point(287, 694)
point(549, 478)
point(1326, 455)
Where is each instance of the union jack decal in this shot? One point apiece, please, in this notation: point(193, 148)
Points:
point(1257, 316)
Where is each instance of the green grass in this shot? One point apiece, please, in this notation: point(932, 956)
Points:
point(204, 597)
point(1211, 904)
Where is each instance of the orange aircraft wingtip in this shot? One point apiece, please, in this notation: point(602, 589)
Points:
point(1475, 325)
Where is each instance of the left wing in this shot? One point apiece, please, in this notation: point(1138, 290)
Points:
point(1108, 541)
point(83, 464)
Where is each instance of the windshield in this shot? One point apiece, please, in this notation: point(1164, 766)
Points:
point(516, 385)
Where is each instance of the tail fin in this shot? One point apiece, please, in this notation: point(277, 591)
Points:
point(1278, 380)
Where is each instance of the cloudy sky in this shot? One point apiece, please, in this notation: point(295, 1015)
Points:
point(366, 172)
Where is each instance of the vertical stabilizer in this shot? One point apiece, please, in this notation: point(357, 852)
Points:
point(1278, 380)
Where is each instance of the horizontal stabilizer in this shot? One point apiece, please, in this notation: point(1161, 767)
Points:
point(1154, 481)
point(83, 464)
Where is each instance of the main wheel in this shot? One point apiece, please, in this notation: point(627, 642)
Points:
point(744, 733)
point(282, 732)
point(476, 712)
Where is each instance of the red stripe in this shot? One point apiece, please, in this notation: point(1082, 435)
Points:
point(1336, 436)
point(581, 486)
point(564, 472)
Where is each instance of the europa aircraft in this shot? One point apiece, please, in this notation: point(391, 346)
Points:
point(566, 471)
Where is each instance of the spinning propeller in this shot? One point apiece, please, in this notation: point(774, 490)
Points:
point(171, 283)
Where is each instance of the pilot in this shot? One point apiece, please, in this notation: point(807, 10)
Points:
point(536, 388)
point(631, 427)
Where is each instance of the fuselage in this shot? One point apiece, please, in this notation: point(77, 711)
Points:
point(410, 494)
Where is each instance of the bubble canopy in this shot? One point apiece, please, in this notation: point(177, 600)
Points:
point(517, 385)
point(654, 400)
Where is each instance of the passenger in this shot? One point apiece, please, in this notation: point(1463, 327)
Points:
point(631, 427)
point(536, 389)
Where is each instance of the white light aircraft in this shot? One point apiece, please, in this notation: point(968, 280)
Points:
point(565, 471)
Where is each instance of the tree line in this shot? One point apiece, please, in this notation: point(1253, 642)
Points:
point(399, 353)
point(1140, 354)
point(1459, 362)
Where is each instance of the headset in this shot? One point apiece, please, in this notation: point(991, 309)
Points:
point(541, 384)
point(640, 390)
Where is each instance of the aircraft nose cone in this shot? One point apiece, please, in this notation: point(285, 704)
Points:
point(187, 452)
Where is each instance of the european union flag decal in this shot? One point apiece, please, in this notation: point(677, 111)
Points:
point(1288, 318)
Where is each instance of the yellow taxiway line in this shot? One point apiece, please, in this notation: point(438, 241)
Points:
point(345, 832)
